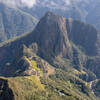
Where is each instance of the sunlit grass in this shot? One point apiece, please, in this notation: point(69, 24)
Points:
point(35, 79)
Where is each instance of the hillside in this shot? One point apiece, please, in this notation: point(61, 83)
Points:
point(14, 22)
point(51, 62)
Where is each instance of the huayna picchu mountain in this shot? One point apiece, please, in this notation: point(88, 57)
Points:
point(52, 38)
point(53, 62)
point(50, 35)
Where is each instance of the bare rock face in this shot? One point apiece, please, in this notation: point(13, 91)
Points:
point(84, 35)
point(51, 36)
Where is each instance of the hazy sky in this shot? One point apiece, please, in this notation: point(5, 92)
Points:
point(31, 3)
point(28, 3)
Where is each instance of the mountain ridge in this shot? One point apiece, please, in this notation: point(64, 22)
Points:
point(18, 22)
point(52, 46)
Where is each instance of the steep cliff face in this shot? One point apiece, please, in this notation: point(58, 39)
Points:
point(52, 37)
point(83, 35)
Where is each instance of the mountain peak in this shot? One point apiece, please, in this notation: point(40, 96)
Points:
point(50, 16)
point(52, 34)
point(49, 13)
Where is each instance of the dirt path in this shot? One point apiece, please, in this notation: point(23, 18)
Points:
point(50, 70)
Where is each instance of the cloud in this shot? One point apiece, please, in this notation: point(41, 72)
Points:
point(68, 2)
point(19, 3)
point(8, 2)
point(29, 3)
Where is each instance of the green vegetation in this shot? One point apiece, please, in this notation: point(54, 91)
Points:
point(60, 86)
point(96, 87)
point(35, 79)
point(26, 89)
point(14, 22)
point(33, 63)
point(27, 55)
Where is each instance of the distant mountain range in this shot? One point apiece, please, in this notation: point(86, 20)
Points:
point(58, 58)
point(14, 22)
point(25, 17)
point(84, 10)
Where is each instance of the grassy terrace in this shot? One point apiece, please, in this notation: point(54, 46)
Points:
point(33, 63)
